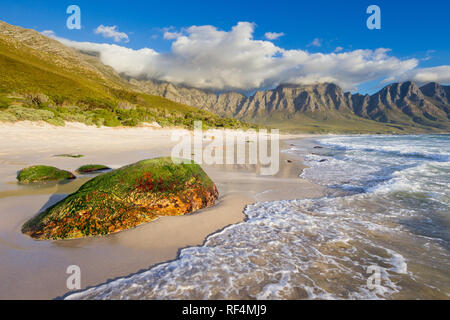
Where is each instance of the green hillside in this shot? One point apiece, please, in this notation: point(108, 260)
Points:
point(58, 84)
point(337, 123)
point(346, 126)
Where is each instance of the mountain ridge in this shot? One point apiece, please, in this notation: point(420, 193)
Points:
point(397, 103)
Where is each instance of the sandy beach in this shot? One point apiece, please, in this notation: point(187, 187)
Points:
point(37, 269)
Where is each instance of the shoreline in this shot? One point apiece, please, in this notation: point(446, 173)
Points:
point(36, 270)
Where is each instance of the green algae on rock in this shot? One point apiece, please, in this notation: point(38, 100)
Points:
point(92, 168)
point(126, 198)
point(43, 174)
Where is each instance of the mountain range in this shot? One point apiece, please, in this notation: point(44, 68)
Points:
point(398, 105)
point(73, 82)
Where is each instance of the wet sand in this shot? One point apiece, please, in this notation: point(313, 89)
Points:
point(37, 269)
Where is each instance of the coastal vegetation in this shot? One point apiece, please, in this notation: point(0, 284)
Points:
point(166, 113)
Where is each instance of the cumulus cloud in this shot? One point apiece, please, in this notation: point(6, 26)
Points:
point(112, 32)
point(209, 58)
point(273, 35)
point(123, 60)
point(338, 49)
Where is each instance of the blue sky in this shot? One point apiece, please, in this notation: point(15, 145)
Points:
point(411, 29)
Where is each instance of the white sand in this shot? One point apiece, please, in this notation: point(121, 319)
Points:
point(36, 270)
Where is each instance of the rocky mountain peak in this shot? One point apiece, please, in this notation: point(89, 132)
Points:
point(436, 91)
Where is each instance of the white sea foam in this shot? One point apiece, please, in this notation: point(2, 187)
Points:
point(414, 146)
point(285, 250)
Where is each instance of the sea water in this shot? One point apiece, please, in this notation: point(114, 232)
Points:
point(381, 232)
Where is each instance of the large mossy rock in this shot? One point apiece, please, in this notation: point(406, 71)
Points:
point(43, 174)
point(125, 198)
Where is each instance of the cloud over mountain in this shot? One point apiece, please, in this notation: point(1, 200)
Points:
point(424, 75)
point(112, 32)
point(206, 57)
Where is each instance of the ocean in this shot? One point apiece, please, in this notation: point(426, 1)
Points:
point(381, 232)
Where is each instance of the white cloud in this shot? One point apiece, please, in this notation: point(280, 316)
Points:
point(206, 57)
point(112, 32)
point(123, 60)
point(422, 76)
point(48, 33)
point(338, 49)
point(168, 35)
point(316, 43)
point(429, 54)
point(273, 35)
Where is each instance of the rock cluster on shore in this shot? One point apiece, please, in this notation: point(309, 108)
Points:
point(126, 198)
